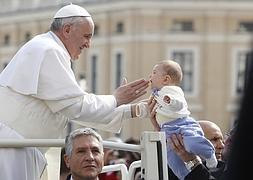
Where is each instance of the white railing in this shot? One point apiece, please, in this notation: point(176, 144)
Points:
point(17, 143)
point(153, 154)
point(132, 168)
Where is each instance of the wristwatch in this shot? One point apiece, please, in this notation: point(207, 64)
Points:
point(190, 165)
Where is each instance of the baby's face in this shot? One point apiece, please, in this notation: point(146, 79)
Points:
point(157, 77)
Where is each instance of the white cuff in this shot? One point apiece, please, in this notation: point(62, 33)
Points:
point(142, 110)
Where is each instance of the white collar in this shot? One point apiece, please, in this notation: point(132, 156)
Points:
point(58, 41)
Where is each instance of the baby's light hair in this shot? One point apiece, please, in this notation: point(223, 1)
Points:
point(173, 69)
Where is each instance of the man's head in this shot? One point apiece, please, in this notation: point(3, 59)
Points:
point(166, 73)
point(213, 133)
point(74, 26)
point(84, 154)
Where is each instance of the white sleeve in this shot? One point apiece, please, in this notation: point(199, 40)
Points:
point(175, 104)
point(96, 111)
point(110, 122)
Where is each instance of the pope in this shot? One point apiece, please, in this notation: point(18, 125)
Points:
point(39, 94)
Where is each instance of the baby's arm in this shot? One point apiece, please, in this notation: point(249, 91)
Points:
point(147, 108)
point(172, 102)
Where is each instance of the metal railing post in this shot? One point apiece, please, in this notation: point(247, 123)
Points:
point(154, 156)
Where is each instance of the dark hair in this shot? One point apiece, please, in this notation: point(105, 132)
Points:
point(63, 167)
point(242, 138)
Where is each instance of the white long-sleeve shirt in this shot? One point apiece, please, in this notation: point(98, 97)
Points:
point(176, 108)
point(39, 93)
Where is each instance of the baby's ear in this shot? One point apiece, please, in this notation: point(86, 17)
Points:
point(167, 79)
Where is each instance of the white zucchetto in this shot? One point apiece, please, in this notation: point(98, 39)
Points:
point(71, 10)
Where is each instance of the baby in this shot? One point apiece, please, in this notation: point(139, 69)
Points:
point(172, 116)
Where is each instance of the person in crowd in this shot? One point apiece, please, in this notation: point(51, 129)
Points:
point(172, 116)
point(214, 134)
point(39, 94)
point(131, 157)
point(228, 141)
point(239, 158)
point(200, 171)
point(84, 154)
point(64, 171)
point(111, 157)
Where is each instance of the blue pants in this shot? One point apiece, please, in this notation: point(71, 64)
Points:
point(194, 142)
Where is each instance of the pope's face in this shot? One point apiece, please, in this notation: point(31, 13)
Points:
point(87, 158)
point(79, 37)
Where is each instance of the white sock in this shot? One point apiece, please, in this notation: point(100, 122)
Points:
point(211, 162)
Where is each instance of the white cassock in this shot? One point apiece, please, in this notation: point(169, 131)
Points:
point(39, 95)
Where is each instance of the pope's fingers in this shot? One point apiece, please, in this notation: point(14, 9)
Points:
point(136, 88)
point(141, 89)
point(138, 82)
point(139, 94)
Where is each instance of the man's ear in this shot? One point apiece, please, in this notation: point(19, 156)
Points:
point(66, 159)
point(66, 30)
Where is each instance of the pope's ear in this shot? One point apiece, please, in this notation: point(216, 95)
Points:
point(66, 30)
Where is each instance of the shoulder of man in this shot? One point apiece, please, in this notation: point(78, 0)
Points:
point(199, 173)
point(219, 170)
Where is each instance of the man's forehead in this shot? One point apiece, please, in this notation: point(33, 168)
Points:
point(214, 133)
point(86, 140)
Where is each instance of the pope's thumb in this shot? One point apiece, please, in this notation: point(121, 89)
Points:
point(124, 81)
